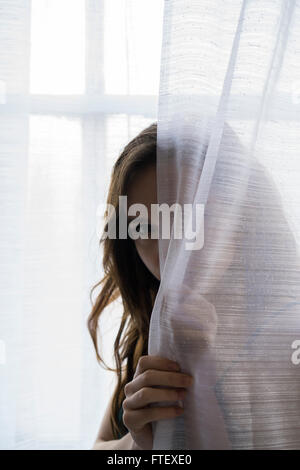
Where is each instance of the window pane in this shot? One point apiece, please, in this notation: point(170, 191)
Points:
point(132, 46)
point(57, 47)
point(53, 273)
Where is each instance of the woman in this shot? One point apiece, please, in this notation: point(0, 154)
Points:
point(131, 270)
point(247, 274)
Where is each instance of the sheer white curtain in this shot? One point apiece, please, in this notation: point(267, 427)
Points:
point(78, 80)
point(229, 140)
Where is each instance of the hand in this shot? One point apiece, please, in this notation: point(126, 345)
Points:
point(140, 393)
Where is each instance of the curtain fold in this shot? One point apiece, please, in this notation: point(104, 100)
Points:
point(229, 142)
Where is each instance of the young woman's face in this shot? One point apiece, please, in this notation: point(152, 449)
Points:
point(143, 190)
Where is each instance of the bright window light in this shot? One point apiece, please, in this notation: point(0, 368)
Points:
point(57, 63)
point(132, 46)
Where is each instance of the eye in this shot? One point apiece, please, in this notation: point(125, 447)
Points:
point(143, 229)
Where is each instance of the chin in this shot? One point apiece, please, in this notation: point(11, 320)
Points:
point(155, 274)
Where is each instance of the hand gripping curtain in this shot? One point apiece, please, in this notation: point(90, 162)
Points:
point(229, 141)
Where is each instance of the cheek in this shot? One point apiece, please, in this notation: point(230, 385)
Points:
point(148, 251)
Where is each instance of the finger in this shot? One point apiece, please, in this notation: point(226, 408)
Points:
point(147, 395)
point(135, 420)
point(155, 362)
point(158, 378)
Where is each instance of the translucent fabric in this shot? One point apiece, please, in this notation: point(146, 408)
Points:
point(229, 139)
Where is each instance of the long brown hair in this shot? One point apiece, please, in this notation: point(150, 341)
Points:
point(126, 275)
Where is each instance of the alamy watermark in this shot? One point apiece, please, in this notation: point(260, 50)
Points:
point(121, 226)
point(295, 358)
